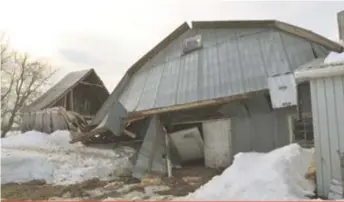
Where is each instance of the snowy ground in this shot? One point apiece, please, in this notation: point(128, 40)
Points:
point(35, 155)
point(277, 175)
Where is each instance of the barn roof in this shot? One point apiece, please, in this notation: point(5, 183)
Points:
point(284, 27)
point(60, 89)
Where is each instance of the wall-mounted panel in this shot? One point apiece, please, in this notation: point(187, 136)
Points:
point(283, 91)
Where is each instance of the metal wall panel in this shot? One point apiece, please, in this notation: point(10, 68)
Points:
point(189, 144)
point(150, 89)
point(150, 157)
point(231, 62)
point(298, 50)
point(251, 61)
point(327, 95)
point(274, 54)
point(132, 93)
point(168, 85)
point(261, 132)
point(188, 79)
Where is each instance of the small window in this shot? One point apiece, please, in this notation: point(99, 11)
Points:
point(192, 43)
point(302, 130)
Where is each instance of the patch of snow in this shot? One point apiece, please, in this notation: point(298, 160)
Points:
point(13, 133)
point(35, 155)
point(277, 175)
point(334, 57)
point(336, 192)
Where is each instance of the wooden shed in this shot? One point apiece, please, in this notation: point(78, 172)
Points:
point(82, 92)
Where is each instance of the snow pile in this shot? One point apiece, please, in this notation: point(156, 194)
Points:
point(334, 57)
point(35, 155)
point(277, 175)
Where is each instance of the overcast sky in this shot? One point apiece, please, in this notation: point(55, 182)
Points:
point(111, 35)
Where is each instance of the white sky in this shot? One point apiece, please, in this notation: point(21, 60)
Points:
point(111, 35)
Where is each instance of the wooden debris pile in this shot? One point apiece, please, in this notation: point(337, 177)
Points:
point(53, 119)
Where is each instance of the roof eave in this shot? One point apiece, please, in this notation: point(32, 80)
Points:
point(291, 29)
point(321, 71)
point(309, 35)
point(155, 50)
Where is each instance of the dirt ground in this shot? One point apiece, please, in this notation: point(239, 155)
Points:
point(184, 180)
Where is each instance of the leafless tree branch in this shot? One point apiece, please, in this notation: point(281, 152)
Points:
point(21, 81)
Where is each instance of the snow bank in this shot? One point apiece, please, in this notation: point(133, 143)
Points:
point(334, 57)
point(277, 175)
point(35, 155)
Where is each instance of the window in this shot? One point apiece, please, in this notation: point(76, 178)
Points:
point(301, 130)
point(192, 44)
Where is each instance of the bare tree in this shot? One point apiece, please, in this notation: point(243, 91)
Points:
point(22, 80)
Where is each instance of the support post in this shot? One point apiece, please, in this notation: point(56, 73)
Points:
point(168, 155)
point(290, 127)
point(71, 100)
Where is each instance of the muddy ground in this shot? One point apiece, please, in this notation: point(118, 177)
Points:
point(184, 181)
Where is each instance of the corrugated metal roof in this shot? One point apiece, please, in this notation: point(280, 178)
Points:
point(58, 90)
point(165, 97)
point(236, 66)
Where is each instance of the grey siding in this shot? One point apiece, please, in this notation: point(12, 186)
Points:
point(231, 62)
point(150, 157)
point(261, 132)
point(328, 109)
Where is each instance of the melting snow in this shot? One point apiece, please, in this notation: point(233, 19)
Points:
point(35, 155)
point(277, 175)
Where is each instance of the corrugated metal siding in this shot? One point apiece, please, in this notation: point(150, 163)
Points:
point(328, 108)
point(261, 132)
point(217, 143)
point(232, 61)
point(299, 51)
point(150, 157)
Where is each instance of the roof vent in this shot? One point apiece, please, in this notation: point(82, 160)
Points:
point(192, 43)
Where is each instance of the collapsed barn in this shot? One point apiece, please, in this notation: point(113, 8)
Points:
point(216, 89)
point(213, 90)
point(78, 95)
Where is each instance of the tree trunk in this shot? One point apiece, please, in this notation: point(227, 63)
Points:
point(8, 126)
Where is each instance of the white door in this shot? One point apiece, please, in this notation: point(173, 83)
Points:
point(217, 143)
